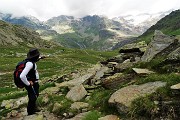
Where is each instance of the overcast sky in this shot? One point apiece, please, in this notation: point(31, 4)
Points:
point(45, 9)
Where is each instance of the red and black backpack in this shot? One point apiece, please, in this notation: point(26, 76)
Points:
point(19, 68)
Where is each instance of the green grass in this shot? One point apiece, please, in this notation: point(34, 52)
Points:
point(60, 61)
point(92, 115)
point(18, 94)
point(7, 90)
point(66, 103)
point(99, 101)
point(158, 65)
point(144, 106)
point(169, 78)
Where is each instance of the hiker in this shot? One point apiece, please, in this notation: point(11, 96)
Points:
point(30, 77)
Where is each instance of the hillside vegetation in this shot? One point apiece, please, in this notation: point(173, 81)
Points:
point(16, 35)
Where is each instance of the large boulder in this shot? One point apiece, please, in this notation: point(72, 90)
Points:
point(159, 42)
point(123, 98)
point(84, 77)
point(76, 81)
point(76, 93)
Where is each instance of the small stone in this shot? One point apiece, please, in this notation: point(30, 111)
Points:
point(176, 87)
point(84, 110)
point(70, 114)
point(79, 105)
point(156, 102)
point(65, 114)
point(45, 99)
point(13, 114)
point(127, 61)
point(56, 107)
point(98, 82)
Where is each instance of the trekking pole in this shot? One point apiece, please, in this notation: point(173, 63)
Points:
point(36, 97)
point(34, 91)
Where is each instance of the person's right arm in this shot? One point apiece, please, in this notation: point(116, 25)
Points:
point(28, 67)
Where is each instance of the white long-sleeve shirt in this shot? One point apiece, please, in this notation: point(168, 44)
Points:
point(28, 67)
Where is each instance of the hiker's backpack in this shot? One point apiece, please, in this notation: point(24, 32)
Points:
point(19, 68)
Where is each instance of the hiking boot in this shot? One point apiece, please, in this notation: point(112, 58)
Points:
point(37, 109)
point(31, 113)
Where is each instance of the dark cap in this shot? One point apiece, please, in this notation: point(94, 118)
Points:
point(34, 52)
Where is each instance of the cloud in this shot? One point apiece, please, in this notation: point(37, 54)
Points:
point(45, 9)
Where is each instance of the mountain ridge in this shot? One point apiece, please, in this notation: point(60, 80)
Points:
point(16, 35)
point(92, 32)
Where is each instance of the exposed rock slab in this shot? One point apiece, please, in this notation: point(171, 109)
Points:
point(101, 72)
point(159, 42)
point(76, 93)
point(142, 71)
point(123, 98)
point(109, 117)
point(76, 81)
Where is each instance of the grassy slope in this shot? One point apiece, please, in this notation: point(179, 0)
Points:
point(60, 61)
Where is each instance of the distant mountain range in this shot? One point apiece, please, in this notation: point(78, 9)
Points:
point(142, 22)
point(92, 32)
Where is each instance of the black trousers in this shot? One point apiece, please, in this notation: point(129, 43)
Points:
point(33, 93)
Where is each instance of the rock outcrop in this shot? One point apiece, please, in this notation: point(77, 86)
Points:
point(76, 93)
point(123, 98)
point(159, 42)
